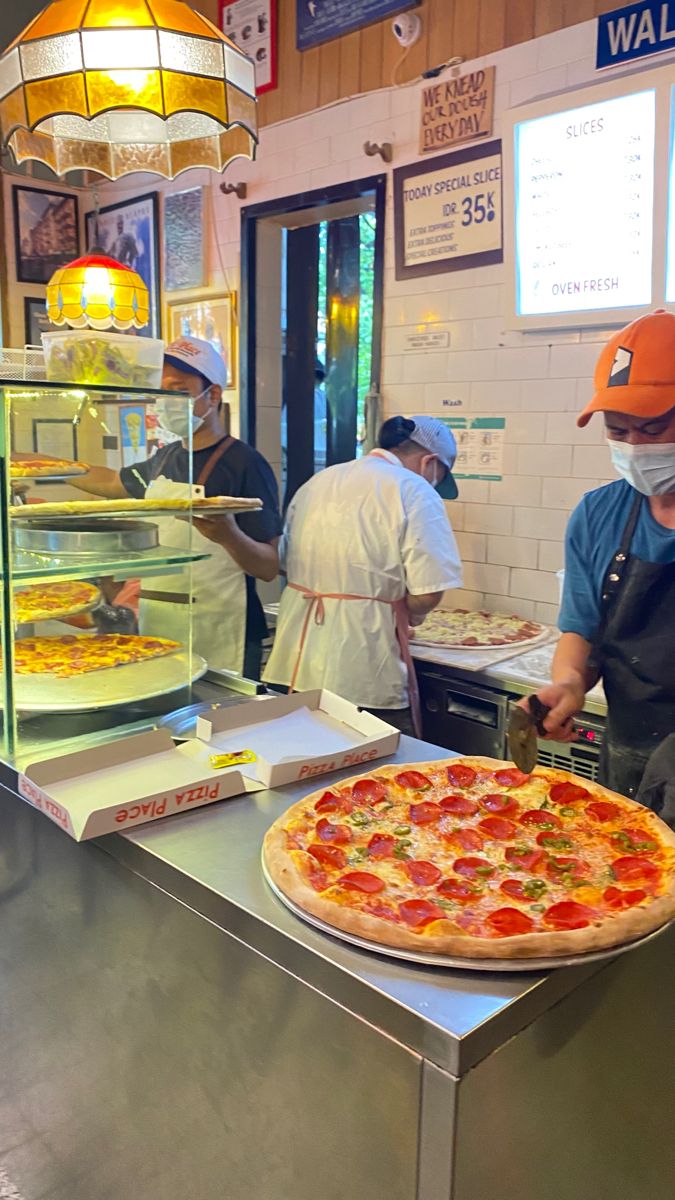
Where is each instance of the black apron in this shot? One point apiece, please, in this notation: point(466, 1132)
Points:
point(635, 653)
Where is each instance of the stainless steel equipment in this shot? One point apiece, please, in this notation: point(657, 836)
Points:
point(157, 996)
point(98, 538)
point(582, 757)
point(464, 716)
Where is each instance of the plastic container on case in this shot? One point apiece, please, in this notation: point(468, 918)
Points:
point(85, 356)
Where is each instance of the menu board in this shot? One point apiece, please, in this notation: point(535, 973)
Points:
point(584, 191)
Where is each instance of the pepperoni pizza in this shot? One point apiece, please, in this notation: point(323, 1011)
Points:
point(471, 858)
point(460, 629)
point(38, 468)
point(77, 654)
point(54, 601)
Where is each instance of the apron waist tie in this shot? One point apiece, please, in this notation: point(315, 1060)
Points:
point(316, 608)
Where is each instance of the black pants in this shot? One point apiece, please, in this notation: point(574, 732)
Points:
point(400, 718)
point(252, 661)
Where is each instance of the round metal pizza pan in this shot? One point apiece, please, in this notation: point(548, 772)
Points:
point(492, 965)
point(484, 648)
point(107, 688)
point(99, 537)
point(138, 508)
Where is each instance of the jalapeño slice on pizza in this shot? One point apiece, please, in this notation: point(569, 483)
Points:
point(472, 858)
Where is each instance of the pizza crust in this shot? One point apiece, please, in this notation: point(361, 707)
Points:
point(69, 508)
point(617, 929)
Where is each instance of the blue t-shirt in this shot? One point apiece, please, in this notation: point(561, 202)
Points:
point(593, 536)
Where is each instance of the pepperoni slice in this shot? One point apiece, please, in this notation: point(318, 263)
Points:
point(329, 802)
point(568, 793)
point(379, 909)
point(504, 806)
point(513, 887)
point(617, 898)
point(369, 791)
point(456, 889)
point(333, 833)
point(424, 813)
point(542, 818)
point(498, 828)
point(508, 922)
point(461, 806)
point(632, 868)
point(569, 914)
point(319, 880)
point(361, 881)
point(461, 776)
point(473, 868)
point(381, 845)
point(419, 913)
point(468, 839)
point(602, 810)
point(422, 873)
point(414, 780)
point(511, 777)
point(528, 860)
point(558, 865)
point(328, 856)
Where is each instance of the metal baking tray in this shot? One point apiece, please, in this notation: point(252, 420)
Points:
point(493, 965)
point(107, 688)
point(98, 537)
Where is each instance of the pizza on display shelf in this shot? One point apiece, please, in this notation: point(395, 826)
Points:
point(38, 468)
point(77, 654)
point(459, 628)
point(54, 601)
point(88, 508)
point(470, 858)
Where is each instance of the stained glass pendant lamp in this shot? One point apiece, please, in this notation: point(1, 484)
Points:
point(117, 86)
point(97, 292)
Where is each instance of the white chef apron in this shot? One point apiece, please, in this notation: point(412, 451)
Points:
point(218, 609)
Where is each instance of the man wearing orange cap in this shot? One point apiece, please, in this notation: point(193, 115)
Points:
point(617, 617)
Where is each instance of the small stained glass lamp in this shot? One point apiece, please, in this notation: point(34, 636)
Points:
point(117, 86)
point(97, 292)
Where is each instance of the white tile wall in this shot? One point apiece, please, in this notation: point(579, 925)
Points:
point(510, 532)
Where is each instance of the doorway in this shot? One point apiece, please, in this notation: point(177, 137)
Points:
point(312, 287)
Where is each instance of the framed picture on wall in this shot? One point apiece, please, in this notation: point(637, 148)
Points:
point(128, 231)
point(184, 240)
point(46, 232)
point(133, 433)
point(212, 318)
point(35, 320)
point(55, 436)
point(252, 25)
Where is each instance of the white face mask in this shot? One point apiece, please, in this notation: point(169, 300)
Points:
point(650, 469)
point(173, 415)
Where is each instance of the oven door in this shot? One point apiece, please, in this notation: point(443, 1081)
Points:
point(462, 716)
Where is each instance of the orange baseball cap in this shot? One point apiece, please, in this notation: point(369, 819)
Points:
point(635, 374)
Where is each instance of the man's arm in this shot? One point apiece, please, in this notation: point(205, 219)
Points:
point(572, 676)
point(100, 481)
point(419, 606)
point(259, 559)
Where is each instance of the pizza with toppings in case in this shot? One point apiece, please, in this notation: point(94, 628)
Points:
point(471, 858)
point(54, 601)
point(77, 654)
point(39, 468)
point(460, 629)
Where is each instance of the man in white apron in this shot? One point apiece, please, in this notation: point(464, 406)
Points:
point(367, 549)
point(228, 623)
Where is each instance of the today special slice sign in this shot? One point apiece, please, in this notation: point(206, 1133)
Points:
point(448, 212)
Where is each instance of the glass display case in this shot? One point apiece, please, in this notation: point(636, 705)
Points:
point(97, 582)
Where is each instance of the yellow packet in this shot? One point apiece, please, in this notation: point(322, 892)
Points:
point(232, 759)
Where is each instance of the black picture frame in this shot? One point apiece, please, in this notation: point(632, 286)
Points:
point(35, 320)
point(52, 222)
point(137, 247)
point(441, 162)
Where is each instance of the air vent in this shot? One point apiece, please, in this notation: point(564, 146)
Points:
point(586, 768)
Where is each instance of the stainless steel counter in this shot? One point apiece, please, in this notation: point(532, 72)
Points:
point(170, 1030)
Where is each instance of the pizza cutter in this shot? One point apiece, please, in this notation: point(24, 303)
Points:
point(524, 726)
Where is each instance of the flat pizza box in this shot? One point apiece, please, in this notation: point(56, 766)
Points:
point(297, 737)
point(125, 783)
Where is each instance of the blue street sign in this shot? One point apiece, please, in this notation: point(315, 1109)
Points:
point(635, 32)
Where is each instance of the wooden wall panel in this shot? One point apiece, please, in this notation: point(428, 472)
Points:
point(368, 59)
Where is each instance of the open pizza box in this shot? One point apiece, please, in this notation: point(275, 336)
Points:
point(281, 731)
point(125, 783)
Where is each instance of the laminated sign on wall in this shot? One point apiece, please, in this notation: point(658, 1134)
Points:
point(480, 446)
point(448, 212)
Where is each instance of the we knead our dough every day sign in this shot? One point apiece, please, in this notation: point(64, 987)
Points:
point(448, 212)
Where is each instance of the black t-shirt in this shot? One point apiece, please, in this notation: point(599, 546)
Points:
point(241, 471)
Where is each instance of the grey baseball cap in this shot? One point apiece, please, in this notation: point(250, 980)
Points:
point(438, 439)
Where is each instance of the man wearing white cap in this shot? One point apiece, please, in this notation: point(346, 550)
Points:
point(367, 550)
point(228, 624)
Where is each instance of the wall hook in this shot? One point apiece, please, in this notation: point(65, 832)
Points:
point(239, 189)
point(385, 150)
